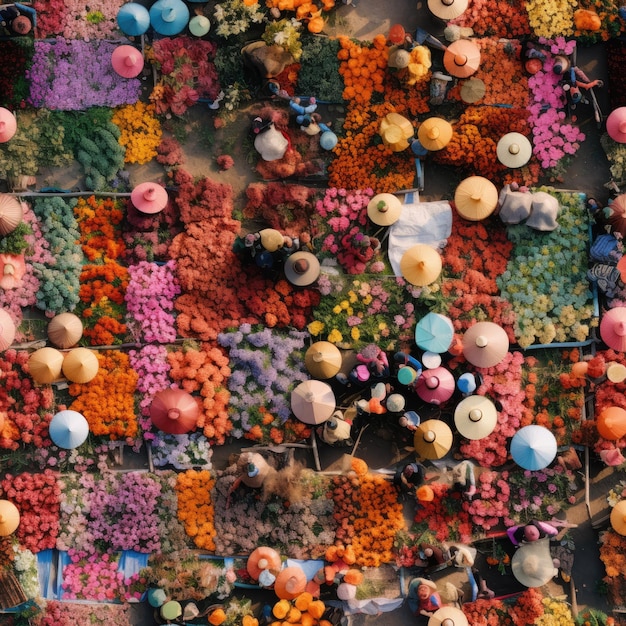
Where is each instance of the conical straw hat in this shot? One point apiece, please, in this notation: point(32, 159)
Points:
point(475, 198)
point(618, 517)
point(65, 330)
point(11, 213)
point(434, 133)
point(323, 359)
point(45, 365)
point(421, 265)
point(80, 365)
point(384, 209)
point(9, 518)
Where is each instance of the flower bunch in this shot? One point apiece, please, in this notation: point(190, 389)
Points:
point(149, 301)
point(140, 131)
point(92, 577)
point(25, 566)
point(556, 613)
point(14, 56)
point(71, 75)
point(490, 506)
point(100, 224)
point(37, 498)
point(528, 607)
point(551, 19)
point(181, 451)
point(613, 556)
point(616, 154)
point(488, 19)
point(319, 71)
point(195, 506)
point(265, 365)
point(107, 401)
point(205, 369)
point(485, 612)
point(546, 279)
point(94, 21)
point(50, 17)
point(68, 613)
point(235, 17)
point(286, 34)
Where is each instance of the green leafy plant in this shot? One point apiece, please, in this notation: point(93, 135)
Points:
point(15, 242)
point(319, 75)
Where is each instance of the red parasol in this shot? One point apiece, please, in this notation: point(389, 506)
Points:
point(174, 411)
point(611, 423)
point(149, 197)
point(435, 386)
point(616, 125)
point(617, 214)
point(613, 328)
point(7, 330)
point(127, 61)
point(485, 344)
point(8, 125)
point(11, 213)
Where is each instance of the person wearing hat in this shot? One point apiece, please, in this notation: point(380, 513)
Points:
point(432, 555)
point(423, 597)
point(464, 479)
point(409, 477)
point(336, 430)
point(535, 530)
point(14, 22)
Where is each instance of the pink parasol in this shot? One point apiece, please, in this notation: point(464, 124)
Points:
point(613, 328)
point(149, 197)
point(313, 401)
point(611, 423)
point(127, 61)
point(11, 213)
point(617, 214)
point(616, 125)
point(461, 58)
point(8, 125)
point(174, 411)
point(435, 386)
point(7, 330)
point(485, 344)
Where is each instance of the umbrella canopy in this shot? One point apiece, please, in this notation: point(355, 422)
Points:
point(169, 17)
point(616, 125)
point(613, 328)
point(323, 359)
point(472, 90)
point(485, 344)
point(199, 25)
point(8, 125)
point(432, 439)
point(384, 209)
point(80, 365)
point(434, 133)
point(174, 411)
point(302, 268)
point(127, 61)
point(475, 417)
point(290, 582)
point(396, 130)
point(448, 616)
point(45, 365)
point(616, 372)
point(533, 447)
point(7, 330)
point(618, 517)
point(68, 429)
point(532, 563)
point(11, 213)
point(313, 401)
point(475, 198)
point(421, 265)
point(435, 386)
point(261, 559)
point(611, 423)
point(461, 58)
point(133, 19)
point(617, 214)
point(149, 197)
point(65, 330)
point(447, 9)
point(434, 332)
point(9, 518)
point(514, 150)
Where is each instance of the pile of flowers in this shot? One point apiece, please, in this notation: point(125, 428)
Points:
point(195, 506)
point(613, 556)
point(140, 131)
point(557, 20)
point(70, 613)
point(508, 20)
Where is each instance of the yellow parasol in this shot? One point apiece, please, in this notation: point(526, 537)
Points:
point(395, 131)
point(475, 198)
point(45, 365)
point(434, 133)
point(432, 439)
point(323, 359)
point(421, 265)
point(80, 365)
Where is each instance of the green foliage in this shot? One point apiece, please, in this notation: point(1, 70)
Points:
point(15, 242)
point(319, 74)
point(100, 155)
point(80, 123)
point(229, 65)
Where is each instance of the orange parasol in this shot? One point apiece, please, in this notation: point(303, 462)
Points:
point(8, 125)
point(434, 133)
point(11, 213)
point(80, 365)
point(475, 198)
point(323, 359)
point(261, 559)
point(45, 365)
point(485, 344)
point(174, 411)
point(7, 330)
point(618, 518)
point(9, 518)
point(290, 582)
point(65, 330)
point(421, 265)
point(432, 439)
point(396, 34)
point(461, 58)
point(447, 9)
point(611, 423)
point(613, 328)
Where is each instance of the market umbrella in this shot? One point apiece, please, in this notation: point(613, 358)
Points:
point(475, 417)
point(290, 582)
point(199, 25)
point(613, 328)
point(45, 365)
point(611, 423)
point(261, 559)
point(7, 330)
point(174, 411)
point(11, 213)
point(302, 268)
point(323, 359)
point(80, 365)
point(9, 518)
point(68, 429)
point(618, 517)
point(65, 330)
point(475, 198)
point(461, 58)
point(435, 386)
point(434, 133)
point(617, 214)
point(472, 90)
point(432, 439)
point(384, 209)
point(313, 401)
point(149, 197)
point(448, 616)
point(533, 447)
point(133, 19)
point(447, 9)
point(127, 61)
point(434, 332)
point(421, 265)
point(532, 563)
point(514, 150)
point(616, 125)
point(485, 344)
point(8, 125)
point(169, 17)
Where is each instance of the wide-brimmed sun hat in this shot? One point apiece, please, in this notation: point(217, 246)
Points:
point(532, 563)
point(302, 268)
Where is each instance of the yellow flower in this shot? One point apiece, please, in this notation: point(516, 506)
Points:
point(335, 336)
point(315, 328)
point(355, 333)
point(352, 296)
point(367, 299)
point(337, 309)
point(382, 326)
point(344, 304)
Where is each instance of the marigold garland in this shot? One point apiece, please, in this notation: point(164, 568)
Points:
point(195, 506)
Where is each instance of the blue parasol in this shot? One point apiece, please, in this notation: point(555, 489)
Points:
point(68, 429)
point(434, 333)
point(133, 19)
point(169, 17)
point(533, 447)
